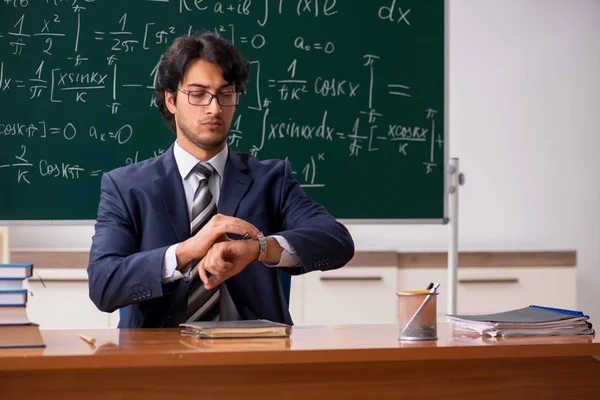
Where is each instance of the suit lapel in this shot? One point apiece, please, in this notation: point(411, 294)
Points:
point(235, 184)
point(171, 190)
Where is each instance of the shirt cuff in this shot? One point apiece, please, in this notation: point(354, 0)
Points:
point(169, 266)
point(288, 255)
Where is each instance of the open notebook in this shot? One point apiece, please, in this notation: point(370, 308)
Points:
point(529, 321)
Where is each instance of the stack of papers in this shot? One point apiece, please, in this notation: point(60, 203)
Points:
point(528, 321)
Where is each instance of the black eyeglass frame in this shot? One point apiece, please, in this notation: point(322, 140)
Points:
point(212, 96)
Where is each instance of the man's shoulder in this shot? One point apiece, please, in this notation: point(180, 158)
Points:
point(260, 166)
point(137, 172)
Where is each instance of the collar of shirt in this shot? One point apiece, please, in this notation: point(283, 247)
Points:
point(186, 162)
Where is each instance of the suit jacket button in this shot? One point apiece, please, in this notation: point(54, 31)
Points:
point(134, 297)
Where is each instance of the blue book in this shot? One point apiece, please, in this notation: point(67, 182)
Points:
point(16, 271)
point(13, 297)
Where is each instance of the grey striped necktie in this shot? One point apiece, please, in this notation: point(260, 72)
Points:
point(203, 305)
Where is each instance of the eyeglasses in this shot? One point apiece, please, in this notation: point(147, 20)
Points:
point(203, 98)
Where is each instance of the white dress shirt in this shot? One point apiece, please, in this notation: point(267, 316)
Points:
point(185, 163)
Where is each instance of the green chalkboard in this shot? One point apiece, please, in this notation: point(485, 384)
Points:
point(351, 92)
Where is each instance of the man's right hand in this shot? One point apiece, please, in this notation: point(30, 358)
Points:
point(214, 231)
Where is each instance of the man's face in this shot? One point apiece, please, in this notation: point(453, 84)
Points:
point(205, 126)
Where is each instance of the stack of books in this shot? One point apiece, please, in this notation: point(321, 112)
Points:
point(16, 330)
point(529, 321)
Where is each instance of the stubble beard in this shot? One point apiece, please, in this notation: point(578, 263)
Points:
point(206, 142)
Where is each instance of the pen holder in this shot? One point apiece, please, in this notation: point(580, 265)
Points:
point(421, 326)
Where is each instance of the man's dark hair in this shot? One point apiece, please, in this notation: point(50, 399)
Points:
point(208, 46)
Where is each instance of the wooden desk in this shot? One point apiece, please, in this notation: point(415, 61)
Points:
point(316, 362)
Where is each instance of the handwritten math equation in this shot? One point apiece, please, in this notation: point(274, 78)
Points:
point(78, 54)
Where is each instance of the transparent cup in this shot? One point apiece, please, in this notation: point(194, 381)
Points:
point(417, 327)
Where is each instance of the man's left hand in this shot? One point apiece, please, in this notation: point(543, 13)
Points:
point(226, 259)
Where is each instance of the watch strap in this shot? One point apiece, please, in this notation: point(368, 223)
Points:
point(262, 246)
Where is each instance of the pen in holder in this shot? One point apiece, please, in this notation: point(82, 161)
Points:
point(417, 314)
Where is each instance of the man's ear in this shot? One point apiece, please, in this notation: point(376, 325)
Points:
point(169, 101)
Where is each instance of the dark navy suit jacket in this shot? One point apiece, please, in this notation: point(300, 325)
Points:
point(143, 211)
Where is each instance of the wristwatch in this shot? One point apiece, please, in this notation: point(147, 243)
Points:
point(262, 246)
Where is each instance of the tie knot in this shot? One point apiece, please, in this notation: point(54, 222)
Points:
point(203, 170)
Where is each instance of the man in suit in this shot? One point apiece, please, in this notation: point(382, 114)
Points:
point(200, 232)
